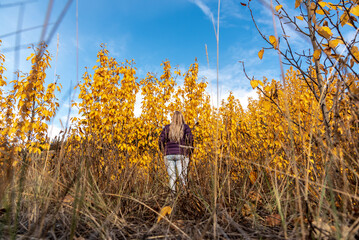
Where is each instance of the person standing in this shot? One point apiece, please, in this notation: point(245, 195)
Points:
point(176, 143)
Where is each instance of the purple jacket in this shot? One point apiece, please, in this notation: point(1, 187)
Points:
point(173, 148)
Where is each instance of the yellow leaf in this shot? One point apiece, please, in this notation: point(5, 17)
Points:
point(325, 32)
point(355, 51)
point(260, 53)
point(253, 177)
point(344, 18)
point(355, 10)
point(316, 54)
point(332, 6)
point(297, 3)
point(27, 59)
point(278, 7)
point(320, 11)
point(273, 41)
point(300, 17)
point(323, 4)
point(164, 211)
point(254, 83)
point(334, 43)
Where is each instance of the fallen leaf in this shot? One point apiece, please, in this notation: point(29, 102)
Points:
point(68, 199)
point(273, 220)
point(164, 211)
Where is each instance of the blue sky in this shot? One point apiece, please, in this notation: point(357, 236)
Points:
point(148, 32)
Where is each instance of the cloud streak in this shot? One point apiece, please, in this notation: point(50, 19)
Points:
point(205, 9)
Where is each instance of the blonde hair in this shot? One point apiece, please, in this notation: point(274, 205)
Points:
point(177, 127)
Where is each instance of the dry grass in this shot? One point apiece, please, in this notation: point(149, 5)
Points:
point(68, 195)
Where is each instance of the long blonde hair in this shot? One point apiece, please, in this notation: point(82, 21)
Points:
point(177, 127)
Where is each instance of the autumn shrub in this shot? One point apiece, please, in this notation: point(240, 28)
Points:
point(278, 157)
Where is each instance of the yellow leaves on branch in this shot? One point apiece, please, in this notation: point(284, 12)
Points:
point(113, 122)
point(300, 18)
point(273, 41)
point(355, 10)
point(324, 32)
point(320, 11)
point(278, 7)
point(255, 83)
point(316, 54)
point(323, 4)
point(29, 105)
point(297, 3)
point(334, 43)
point(355, 51)
point(346, 19)
point(29, 57)
point(260, 53)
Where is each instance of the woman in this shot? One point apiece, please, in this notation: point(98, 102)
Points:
point(176, 142)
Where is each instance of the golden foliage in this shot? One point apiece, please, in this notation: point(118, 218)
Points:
point(29, 105)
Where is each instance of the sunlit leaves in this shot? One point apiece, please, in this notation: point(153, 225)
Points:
point(278, 7)
point(355, 51)
point(300, 17)
point(260, 53)
point(297, 3)
point(316, 54)
point(107, 104)
point(323, 4)
point(345, 19)
point(273, 41)
point(29, 104)
point(255, 83)
point(320, 12)
point(31, 56)
point(355, 10)
point(334, 43)
point(324, 32)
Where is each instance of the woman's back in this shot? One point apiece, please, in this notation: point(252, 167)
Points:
point(171, 147)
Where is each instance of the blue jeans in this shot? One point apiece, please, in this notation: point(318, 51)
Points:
point(176, 164)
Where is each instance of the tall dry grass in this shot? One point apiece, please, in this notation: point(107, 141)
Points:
point(68, 193)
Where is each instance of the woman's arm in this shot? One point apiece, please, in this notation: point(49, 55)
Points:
point(161, 140)
point(188, 136)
